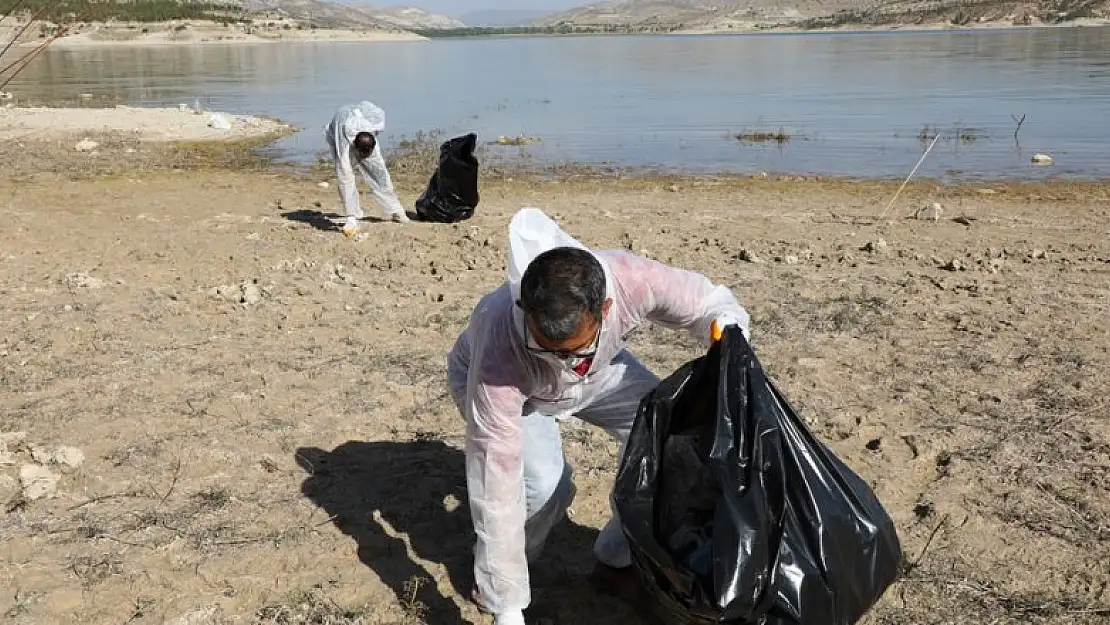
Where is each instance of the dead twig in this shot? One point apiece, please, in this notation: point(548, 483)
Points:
point(1019, 122)
point(92, 500)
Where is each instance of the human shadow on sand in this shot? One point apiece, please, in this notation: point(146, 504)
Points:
point(418, 489)
point(331, 222)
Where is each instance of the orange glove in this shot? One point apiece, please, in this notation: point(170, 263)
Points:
point(715, 331)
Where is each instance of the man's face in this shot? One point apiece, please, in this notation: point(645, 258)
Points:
point(582, 344)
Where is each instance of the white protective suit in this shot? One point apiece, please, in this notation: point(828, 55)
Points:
point(340, 134)
point(518, 482)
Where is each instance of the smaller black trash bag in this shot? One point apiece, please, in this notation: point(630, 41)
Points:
point(736, 514)
point(452, 193)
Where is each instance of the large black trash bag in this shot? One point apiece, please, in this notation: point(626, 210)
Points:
point(736, 514)
point(452, 193)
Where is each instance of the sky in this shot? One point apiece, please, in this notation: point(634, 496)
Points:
point(460, 7)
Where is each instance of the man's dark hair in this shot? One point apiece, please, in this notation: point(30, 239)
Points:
point(559, 286)
point(364, 143)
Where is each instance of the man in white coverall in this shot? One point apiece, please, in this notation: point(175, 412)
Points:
point(547, 344)
point(352, 136)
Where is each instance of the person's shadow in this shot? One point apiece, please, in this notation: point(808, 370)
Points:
point(331, 222)
point(377, 491)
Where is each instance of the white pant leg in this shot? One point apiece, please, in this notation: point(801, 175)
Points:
point(614, 411)
point(548, 485)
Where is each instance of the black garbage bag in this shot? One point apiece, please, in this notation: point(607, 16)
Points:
point(452, 193)
point(737, 514)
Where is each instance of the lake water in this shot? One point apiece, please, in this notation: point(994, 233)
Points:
point(853, 104)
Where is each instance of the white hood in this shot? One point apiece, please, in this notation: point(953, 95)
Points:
point(532, 233)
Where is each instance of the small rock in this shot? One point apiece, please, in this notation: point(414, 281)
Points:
point(268, 463)
point(790, 260)
point(80, 280)
point(323, 185)
point(874, 247)
point(748, 256)
point(68, 457)
point(40, 454)
point(203, 616)
point(954, 265)
point(995, 265)
point(37, 482)
point(1038, 254)
point(874, 444)
point(929, 212)
point(86, 145)
point(1042, 159)
point(251, 294)
point(964, 220)
point(673, 188)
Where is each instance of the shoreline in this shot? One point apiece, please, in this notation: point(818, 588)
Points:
point(198, 33)
point(203, 33)
point(245, 138)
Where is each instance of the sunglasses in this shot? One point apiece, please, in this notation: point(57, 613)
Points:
point(561, 354)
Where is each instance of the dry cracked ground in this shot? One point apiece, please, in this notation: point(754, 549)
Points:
point(216, 409)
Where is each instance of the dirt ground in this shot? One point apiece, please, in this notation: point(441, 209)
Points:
point(265, 437)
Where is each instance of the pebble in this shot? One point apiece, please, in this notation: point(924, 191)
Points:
point(929, 212)
point(323, 185)
point(78, 280)
point(875, 246)
point(37, 482)
point(748, 256)
point(251, 294)
point(1042, 159)
point(70, 457)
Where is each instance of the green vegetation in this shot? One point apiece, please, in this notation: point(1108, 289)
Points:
point(63, 11)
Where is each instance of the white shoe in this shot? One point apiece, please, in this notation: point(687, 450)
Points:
point(350, 228)
point(401, 218)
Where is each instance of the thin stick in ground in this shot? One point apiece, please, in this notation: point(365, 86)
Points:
point(907, 180)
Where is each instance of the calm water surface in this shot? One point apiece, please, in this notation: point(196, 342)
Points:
point(853, 104)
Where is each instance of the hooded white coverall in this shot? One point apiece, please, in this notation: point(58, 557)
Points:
point(340, 134)
point(518, 482)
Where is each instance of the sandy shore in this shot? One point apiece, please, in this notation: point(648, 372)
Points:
point(148, 124)
point(217, 409)
point(197, 32)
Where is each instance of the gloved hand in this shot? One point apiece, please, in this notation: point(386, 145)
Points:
point(509, 618)
point(717, 327)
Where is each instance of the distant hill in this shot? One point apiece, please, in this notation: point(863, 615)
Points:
point(352, 14)
point(405, 17)
point(502, 17)
point(649, 15)
point(323, 14)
